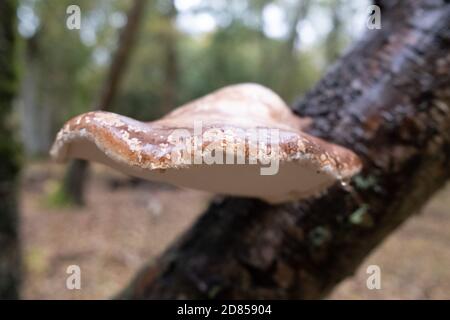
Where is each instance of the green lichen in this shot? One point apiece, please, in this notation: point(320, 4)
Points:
point(367, 182)
point(212, 293)
point(319, 235)
point(361, 217)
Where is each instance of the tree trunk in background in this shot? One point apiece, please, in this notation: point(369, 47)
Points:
point(35, 115)
point(171, 64)
point(388, 99)
point(122, 56)
point(333, 42)
point(9, 153)
point(289, 55)
point(74, 180)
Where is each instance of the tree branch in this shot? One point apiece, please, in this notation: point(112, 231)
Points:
point(388, 100)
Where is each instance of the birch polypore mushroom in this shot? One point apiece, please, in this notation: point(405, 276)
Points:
point(241, 140)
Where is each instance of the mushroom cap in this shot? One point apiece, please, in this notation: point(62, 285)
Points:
point(247, 120)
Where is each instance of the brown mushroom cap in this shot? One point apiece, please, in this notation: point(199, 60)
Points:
point(307, 165)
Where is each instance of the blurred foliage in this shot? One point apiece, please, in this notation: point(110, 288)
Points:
point(56, 197)
point(71, 64)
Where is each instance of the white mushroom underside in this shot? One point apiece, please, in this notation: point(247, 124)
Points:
point(294, 179)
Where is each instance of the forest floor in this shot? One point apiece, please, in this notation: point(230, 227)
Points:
point(125, 225)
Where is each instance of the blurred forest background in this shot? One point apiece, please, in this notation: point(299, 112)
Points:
point(183, 50)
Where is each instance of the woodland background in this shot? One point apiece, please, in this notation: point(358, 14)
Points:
point(182, 50)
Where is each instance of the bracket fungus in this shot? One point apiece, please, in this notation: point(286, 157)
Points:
point(241, 140)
